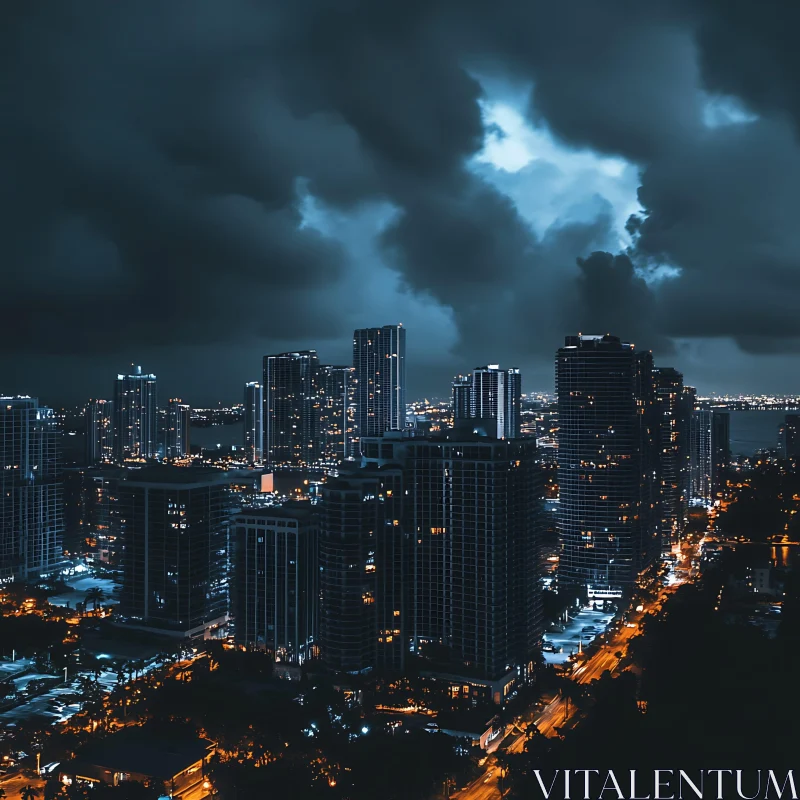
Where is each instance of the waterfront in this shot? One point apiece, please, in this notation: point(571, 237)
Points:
point(754, 430)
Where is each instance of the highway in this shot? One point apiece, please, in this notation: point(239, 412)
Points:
point(553, 716)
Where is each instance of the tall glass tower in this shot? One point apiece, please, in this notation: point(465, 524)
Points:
point(671, 412)
point(379, 359)
point(608, 518)
point(495, 399)
point(337, 412)
point(99, 416)
point(135, 416)
point(254, 423)
point(291, 409)
point(179, 419)
point(31, 491)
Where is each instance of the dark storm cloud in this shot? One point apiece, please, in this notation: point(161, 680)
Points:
point(612, 297)
point(157, 157)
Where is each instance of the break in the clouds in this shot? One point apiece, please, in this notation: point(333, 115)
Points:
point(193, 184)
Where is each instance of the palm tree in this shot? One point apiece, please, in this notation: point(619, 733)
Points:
point(28, 792)
point(95, 595)
point(2, 792)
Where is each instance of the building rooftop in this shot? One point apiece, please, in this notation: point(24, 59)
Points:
point(294, 509)
point(157, 753)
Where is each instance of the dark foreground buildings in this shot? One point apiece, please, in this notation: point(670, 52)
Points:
point(275, 586)
point(31, 490)
point(173, 525)
point(431, 550)
point(608, 465)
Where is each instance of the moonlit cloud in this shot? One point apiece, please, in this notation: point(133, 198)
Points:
point(719, 111)
point(551, 183)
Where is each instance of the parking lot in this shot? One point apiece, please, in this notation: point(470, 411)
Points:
point(578, 633)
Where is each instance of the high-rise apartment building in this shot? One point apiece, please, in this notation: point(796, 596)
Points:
point(710, 454)
point(720, 452)
point(275, 589)
point(700, 457)
point(31, 491)
point(671, 452)
point(291, 409)
point(361, 551)
point(456, 573)
point(337, 389)
point(179, 420)
point(173, 527)
point(135, 416)
point(608, 517)
point(89, 505)
point(789, 444)
point(492, 397)
point(254, 423)
point(99, 418)
point(462, 394)
point(379, 359)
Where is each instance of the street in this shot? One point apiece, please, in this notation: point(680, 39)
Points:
point(553, 716)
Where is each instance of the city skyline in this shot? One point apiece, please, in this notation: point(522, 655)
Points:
point(399, 399)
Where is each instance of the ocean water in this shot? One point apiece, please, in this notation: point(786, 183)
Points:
point(754, 430)
point(224, 435)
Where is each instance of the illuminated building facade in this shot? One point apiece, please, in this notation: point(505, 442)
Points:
point(361, 552)
point(472, 514)
point(337, 396)
point(462, 392)
point(179, 420)
point(254, 423)
point(99, 419)
point(173, 525)
point(291, 409)
point(672, 446)
point(379, 359)
point(608, 516)
point(275, 590)
point(789, 438)
point(720, 452)
point(710, 454)
point(135, 416)
point(31, 490)
point(492, 397)
point(89, 504)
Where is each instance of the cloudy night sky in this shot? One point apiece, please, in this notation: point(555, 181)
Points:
point(191, 184)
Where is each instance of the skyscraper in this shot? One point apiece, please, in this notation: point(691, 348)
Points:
point(462, 397)
point(352, 520)
point(671, 446)
point(276, 580)
point(254, 423)
point(790, 437)
point(291, 409)
point(492, 397)
point(700, 460)
point(173, 526)
point(336, 387)
point(31, 492)
point(379, 359)
point(99, 417)
point(466, 535)
point(608, 519)
point(179, 420)
point(720, 452)
point(135, 416)
point(475, 520)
